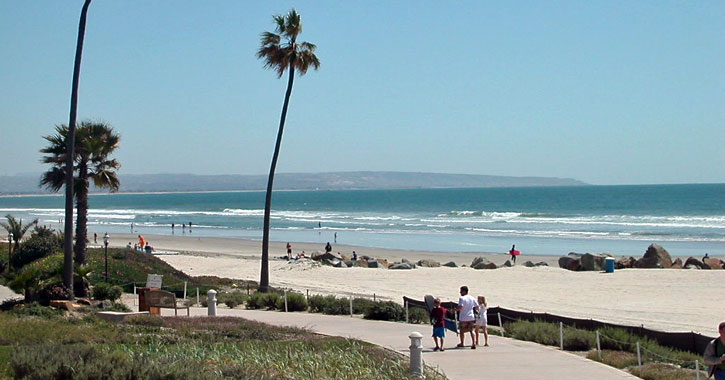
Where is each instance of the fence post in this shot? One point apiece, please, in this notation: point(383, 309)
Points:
point(184, 290)
point(350, 306)
point(285, 300)
point(211, 302)
point(247, 288)
point(599, 346)
point(406, 310)
point(639, 356)
point(500, 324)
point(416, 357)
point(561, 335)
point(197, 295)
point(374, 300)
point(697, 369)
point(308, 295)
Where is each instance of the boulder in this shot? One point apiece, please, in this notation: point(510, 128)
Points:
point(383, 263)
point(429, 263)
point(677, 264)
point(341, 264)
point(365, 258)
point(507, 264)
point(406, 261)
point(373, 264)
point(570, 261)
point(350, 263)
point(482, 263)
point(361, 263)
point(401, 266)
point(529, 264)
point(450, 264)
point(331, 262)
point(655, 257)
point(625, 262)
point(319, 256)
point(693, 263)
point(593, 262)
point(713, 263)
point(542, 264)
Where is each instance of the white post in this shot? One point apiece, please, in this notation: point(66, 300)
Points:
point(416, 354)
point(561, 335)
point(406, 311)
point(197, 296)
point(184, 290)
point(697, 369)
point(211, 302)
point(500, 324)
point(285, 300)
point(350, 306)
point(599, 346)
point(639, 356)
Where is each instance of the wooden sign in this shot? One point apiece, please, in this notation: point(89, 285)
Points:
point(153, 281)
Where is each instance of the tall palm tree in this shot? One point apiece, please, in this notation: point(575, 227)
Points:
point(68, 233)
point(280, 52)
point(93, 145)
point(15, 227)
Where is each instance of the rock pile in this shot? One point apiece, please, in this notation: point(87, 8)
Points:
point(655, 257)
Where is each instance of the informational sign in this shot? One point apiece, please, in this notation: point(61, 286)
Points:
point(153, 281)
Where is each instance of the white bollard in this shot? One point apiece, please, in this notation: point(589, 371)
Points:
point(599, 346)
point(561, 335)
point(197, 296)
point(416, 354)
point(350, 306)
point(211, 302)
point(500, 324)
point(184, 290)
point(639, 356)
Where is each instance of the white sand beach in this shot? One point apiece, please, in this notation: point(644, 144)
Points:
point(663, 299)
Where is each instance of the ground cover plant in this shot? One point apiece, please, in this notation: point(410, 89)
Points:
point(149, 347)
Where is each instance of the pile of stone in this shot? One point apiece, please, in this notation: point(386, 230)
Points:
point(655, 257)
point(484, 263)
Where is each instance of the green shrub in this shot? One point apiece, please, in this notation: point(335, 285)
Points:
point(661, 371)
point(55, 291)
point(616, 359)
point(259, 300)
point(39, 245)
point(418, 315)
point(295, 302)
point(232, 299)
point(385, 311)
point(145, 320)
point(337, 306)
point(360, 305)
point(35, 310)
point(578, 339)
point(104, 291)
point(317, 302)
point(537, 331)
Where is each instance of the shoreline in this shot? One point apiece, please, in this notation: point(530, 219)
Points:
point(660, 299)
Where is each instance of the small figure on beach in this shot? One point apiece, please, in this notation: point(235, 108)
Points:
point(148, 248)
point(289, 251)
point(129, 245)
point(354, 256)
point(705, 257)
point(189, 227)
point(466, 316)
point(328, 248)
point(437, 317)
point(95, 239)
point(131, 227)
point(335, 237)
point(172, 227)
point(141, 242)
point(513, 252)
point(482, 320)
point(183, 227)
point(715, 354)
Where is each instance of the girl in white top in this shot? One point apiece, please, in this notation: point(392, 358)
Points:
point(482, 320)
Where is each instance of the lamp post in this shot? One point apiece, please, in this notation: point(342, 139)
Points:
point(106, 238)
point(10, 241)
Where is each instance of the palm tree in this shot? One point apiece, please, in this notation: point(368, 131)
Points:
point(67, 244)
point(94, 144)
point(15, 227)
point(281, 52)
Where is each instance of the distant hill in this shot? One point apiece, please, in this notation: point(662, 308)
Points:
point(28, 184)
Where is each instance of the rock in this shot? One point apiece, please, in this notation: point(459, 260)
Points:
point(593, 262)
point(507, 264)
point(401, 266)
point(350, 263)
point(383, 263)
point(529, 264)
point(713, 263)
point(625, 262)
point(450, 264)
point(429, 263)
point(341, 264)
point(655, 257)
point(325, 256)
point(542, 264)
point(373, 264)
point(361, 263)
point(571, 261)
point(677, 264)
point(331, 262)
point(482, 263)
point(365, 258)
point(693, 263)
point(406, 261)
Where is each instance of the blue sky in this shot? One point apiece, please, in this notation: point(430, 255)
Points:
point(607, 92)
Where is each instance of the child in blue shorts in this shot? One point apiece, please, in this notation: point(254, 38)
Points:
point(437, 316)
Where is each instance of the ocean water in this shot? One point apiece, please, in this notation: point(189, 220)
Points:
point(622, 220)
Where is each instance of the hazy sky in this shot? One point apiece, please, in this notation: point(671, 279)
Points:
point(607, 92)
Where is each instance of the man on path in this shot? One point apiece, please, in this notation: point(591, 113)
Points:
point(466, 316)
point(715, 354)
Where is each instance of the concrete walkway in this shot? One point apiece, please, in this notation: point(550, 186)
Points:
point(504, 359)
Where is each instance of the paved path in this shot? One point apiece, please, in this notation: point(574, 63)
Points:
point(504, 359)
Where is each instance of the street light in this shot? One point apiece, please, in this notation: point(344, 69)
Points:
point(106, 238)
point(10, 240)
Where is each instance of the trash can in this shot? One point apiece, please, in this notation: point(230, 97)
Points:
point(609, 265)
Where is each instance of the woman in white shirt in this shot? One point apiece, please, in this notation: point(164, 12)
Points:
point(482, 320)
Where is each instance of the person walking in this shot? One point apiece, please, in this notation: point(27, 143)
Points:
point(513, 252)
point(328, 247)
point(289, 251)
point(437, 317)
point(482, 320)
point(466, 316)
point(714, 355)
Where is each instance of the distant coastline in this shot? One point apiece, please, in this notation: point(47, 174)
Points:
point(27, 184)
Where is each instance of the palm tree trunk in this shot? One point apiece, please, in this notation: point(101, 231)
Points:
point(264, 277)
point(81, 214)
point(68, 233)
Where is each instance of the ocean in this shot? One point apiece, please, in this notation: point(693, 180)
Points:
point(688, 220)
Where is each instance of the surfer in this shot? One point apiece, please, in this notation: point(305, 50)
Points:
point(513, 252)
